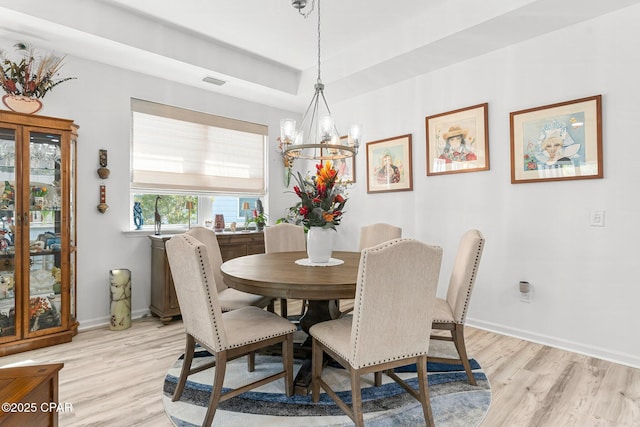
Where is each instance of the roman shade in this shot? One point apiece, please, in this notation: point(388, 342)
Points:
point(179, 150)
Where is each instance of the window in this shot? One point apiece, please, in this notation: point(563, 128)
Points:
point(180, 155)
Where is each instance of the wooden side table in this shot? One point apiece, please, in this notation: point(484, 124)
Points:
point(164, 301)
point(29, 395)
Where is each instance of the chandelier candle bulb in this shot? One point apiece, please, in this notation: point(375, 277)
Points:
point(325, 128)
point(355, 133)
point(287, 130)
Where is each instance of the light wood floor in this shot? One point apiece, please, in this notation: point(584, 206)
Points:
point(114, 378)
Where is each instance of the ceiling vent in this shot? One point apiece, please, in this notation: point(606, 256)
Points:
point(213, 81)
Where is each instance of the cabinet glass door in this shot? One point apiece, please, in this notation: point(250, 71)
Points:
point(44, 224)
point(8, 205)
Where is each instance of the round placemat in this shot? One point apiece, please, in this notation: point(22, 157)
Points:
point(308, 263)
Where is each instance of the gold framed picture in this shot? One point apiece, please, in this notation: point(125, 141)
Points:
point(458, 141)
point(389, 165)
point(557, 142)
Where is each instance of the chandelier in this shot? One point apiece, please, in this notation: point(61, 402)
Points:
point(317, 137)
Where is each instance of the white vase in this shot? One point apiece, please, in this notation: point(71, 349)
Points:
point(320, 244)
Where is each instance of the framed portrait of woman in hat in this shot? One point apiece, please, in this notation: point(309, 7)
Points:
point(458, 141)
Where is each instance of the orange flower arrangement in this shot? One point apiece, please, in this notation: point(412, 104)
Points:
point(37, 306)
point(321, 201)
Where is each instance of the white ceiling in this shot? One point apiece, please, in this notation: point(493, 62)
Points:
point(267, 52)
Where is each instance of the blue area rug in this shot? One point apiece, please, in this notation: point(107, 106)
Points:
point(454, 401)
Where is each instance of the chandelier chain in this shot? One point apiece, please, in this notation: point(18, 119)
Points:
point(325, 142)
point(319, 79)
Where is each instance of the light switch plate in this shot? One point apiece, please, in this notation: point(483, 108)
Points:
point(597, 219)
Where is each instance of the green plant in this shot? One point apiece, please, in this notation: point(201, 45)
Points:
point(258, 218)
point(321, 200)
point(32, 75)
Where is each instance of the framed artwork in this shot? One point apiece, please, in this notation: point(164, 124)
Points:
point(458, 141)
point(346, 167)
point(389, 165)
point(557, 142)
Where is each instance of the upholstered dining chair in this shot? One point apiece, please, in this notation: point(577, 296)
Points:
point(226, 335)
point(451, 312)
point(374, 234)
point(230, 299)
point(285, 237)
point(377, 338)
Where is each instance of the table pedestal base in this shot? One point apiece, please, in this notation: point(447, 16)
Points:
point(317, 311)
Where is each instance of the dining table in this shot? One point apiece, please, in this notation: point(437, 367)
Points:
point(292, 275)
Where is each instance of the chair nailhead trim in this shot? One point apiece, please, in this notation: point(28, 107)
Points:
point(192, 242)
point(472, 280)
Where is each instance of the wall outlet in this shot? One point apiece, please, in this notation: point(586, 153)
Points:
point(525, 291)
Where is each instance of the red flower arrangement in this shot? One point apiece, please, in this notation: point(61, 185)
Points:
point(321, 200)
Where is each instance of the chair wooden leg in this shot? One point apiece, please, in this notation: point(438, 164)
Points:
point(316, 370)
point(283, 307)
point(251, 361)
point(216, 392)
point(287, 362)
point(356, 398)
point(377, 379)
point(186, 367)
point(423, 382)
point(458, 339)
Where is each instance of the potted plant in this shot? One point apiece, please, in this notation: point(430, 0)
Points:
point(259, 218)
point(28, 78)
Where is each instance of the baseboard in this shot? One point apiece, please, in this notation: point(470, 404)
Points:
point(100, 322)
point(575, 347)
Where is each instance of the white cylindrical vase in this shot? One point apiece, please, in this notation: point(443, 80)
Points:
point(320, 244)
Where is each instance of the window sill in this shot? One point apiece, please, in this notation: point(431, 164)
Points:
point(149, 232)
point(178, 230)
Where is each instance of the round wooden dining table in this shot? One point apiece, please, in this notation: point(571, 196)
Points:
point(278, 275)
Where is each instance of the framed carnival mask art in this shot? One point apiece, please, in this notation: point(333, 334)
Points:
point(557, 142)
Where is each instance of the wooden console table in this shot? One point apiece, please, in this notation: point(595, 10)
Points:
point(29, 395)
point(164, 301)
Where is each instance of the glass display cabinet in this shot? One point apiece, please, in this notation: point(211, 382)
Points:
point(37, 231)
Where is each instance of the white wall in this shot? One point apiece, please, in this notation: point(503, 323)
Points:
point(99, 101)
point(585, 291)
point(585, 288)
